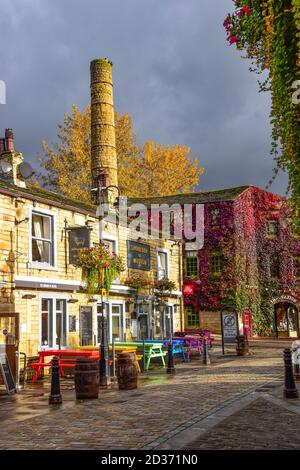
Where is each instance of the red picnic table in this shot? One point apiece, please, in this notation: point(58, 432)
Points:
point(63, 362)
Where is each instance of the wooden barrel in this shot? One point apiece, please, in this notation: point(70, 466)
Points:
point(86, 378)
point(242, 347)
point(127, 371)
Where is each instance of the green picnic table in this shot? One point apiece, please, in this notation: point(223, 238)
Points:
point(152, 350)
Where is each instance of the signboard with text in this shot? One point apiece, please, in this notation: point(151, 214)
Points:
point(230, 327)
point(79, 239)
point(138, 255)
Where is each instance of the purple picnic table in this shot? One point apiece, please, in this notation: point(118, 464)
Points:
point(192, 343)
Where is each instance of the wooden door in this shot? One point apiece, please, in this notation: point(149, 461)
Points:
point(9, 338)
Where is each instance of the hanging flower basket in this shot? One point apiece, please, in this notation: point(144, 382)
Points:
point(99, 268)
point(164, 285)
point(138, 282)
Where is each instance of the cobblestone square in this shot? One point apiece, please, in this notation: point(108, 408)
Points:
point(202, 407)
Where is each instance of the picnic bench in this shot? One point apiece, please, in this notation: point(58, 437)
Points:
point(118, 349)
point(177, 345)
point(62, 362)
point(202, 333)
point(192, 343)
point(152, 350)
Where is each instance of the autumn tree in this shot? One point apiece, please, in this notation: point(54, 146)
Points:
point(151, 170)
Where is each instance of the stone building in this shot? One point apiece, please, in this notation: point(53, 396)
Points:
point(250, 259)
point(43, 301)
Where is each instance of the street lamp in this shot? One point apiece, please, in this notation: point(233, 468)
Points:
point(104, 381)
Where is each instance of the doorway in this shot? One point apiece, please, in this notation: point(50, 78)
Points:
point(286, 320)
point(9, 338)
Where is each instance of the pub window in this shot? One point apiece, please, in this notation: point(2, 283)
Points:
point(297, 266)
point(272, 228)
point(215, 217)
point(191, 263)
point(192, 317)
point(42, 239)
point(53, 323)
point(216, 264)
point(162, 264)
point(274, 267)
point(110, 244)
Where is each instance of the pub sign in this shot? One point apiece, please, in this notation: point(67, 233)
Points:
point(138, 255)
point(79, 238)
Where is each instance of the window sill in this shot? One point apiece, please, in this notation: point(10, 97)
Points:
point(42, 266)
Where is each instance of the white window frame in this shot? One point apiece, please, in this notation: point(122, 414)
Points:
point(166, 252)
point(37, 264)
point(109, 317)
point(110, 238)
point(53, 297)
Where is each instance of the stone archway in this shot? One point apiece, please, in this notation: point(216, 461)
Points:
point(286, 320)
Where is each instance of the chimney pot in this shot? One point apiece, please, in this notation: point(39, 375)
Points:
point(2, 145)
point(9, 140)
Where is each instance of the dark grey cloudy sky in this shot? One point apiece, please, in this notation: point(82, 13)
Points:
point(173, 72)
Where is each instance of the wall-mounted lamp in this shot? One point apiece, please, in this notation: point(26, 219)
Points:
point(28, 296)
point(72, 301)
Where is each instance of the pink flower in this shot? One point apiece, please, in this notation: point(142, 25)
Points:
point(244, 10)
point(232, 39)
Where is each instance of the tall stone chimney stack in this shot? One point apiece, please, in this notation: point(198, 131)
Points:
point(103, 138)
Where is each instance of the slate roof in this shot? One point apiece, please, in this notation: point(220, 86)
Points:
point(204, 197)
point(46, 196)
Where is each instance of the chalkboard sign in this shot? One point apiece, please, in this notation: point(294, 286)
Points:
point(7, 374)
point(79, 239)
point(72, 323)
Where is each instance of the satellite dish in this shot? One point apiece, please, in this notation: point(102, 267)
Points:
point(6, 167)
point(25, 170)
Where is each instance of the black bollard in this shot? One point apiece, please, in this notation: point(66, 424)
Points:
point(290, 390)
point(55, 397)
point(206, 358)
point(105, 381)
point(171, 367)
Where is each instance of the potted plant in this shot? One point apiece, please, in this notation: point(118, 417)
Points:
point(99, 268)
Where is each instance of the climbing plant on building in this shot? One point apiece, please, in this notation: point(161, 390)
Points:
point(269, 32)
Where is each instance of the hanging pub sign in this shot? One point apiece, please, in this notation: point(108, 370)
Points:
point(79, 238)
point(230, 326)
point(138, 255)
point(6, 374)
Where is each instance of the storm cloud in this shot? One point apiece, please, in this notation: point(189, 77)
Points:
point(173, 72)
